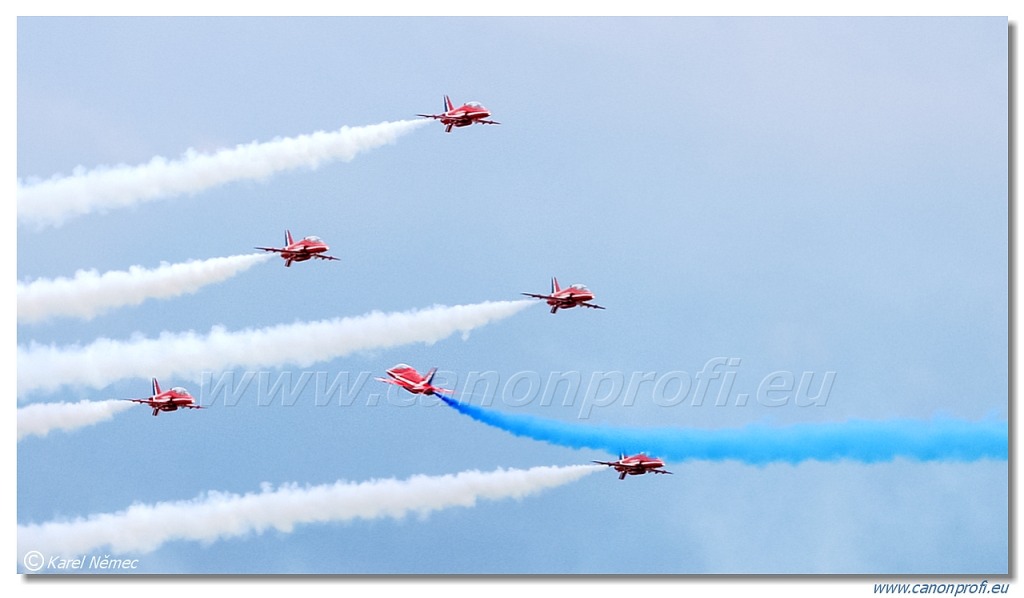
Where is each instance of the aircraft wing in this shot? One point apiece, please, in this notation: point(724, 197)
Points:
point(389, 381)
point(488, 122)
point(192, 406)
point(608, 463)
point(270, 249)
point(320, 256)
point(431, 115)
point(149, 402)
point(537, 296)
point(594, 305)
point(659, 471)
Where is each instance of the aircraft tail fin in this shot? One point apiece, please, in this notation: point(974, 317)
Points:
point(156, 388)
point(554, 285)
point(429, 378)
point(287, 237)
point(448, 104)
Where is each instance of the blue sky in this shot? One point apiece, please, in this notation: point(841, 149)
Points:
point(794, 195)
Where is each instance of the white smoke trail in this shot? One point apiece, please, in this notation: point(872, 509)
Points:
point(90, 293)
point(144, 528)
point(52, 201)
point(47, 367)
point(42, 418)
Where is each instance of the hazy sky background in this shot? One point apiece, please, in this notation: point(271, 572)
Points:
point(794, 195)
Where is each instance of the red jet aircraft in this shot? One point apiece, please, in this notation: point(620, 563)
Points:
point(411, 380)
point(636, 465)
point(168, 400)
point(307, 248)
point(464, 115)
point(571, 296)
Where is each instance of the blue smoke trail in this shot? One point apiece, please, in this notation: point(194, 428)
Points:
point(858, 440)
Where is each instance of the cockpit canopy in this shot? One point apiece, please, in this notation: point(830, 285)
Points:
point(579, 287)
point(179, 390)
point(401, 366)
point(475, 104)
point(314, 239)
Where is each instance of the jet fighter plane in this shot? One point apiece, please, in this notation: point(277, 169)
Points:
point(411, 380)
point(307, 248)
point(638, 464)
point(568, 297)
point(168, 400)
point(463, 116)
